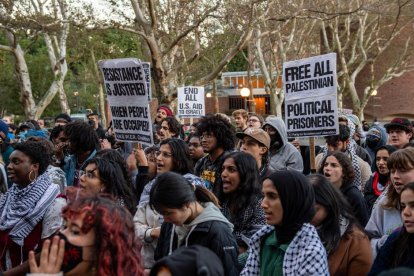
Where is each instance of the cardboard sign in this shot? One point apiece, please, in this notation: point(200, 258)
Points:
point(127, 92)
point(311, 96)
point(191, 102)
point(147, 72)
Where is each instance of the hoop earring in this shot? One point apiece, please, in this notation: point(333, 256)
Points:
point(32, 178)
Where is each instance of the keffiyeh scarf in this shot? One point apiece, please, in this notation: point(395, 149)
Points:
point(22, 209)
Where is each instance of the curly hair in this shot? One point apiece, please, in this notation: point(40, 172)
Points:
point(348, 172)
point(54, 133)
point(37, 152)
point(220, 128)
point(116, 246)
point(82, 136)
point(182, 162)
point(110, 173)
point(249, 187)
point(174, 126)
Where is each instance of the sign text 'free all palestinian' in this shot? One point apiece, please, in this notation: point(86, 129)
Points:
point(311, 96)
point(191, 102)
point(128, 94)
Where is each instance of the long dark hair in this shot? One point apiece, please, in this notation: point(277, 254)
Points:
point(110, 173)
point(404, 243)
point(172, 190)
point(348, 172)
point(180, 154)
point(249, 187)
point(116, 157)
point(337, 208)
point(298, 202)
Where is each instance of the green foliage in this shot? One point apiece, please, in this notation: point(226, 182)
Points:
point(238, 63)
point(80, 77)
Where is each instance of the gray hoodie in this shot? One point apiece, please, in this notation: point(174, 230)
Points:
point(287, 156)
point(210, 212)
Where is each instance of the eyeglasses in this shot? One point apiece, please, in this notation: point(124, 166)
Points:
point(206, 137)
point(89, 174)
point(163, 154)
point(253, 120)
point(195, 145)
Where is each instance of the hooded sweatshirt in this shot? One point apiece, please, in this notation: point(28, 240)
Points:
point(375, 137)
point(286, 156)
point(210, 212)
point(210, 229)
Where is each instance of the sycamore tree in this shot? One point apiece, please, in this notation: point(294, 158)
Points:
point(361, 37)
point(47, 20)
point(177, 35)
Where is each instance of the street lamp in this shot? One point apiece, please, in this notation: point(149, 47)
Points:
point(76, 94)
point(245, 93)
point(208, 95)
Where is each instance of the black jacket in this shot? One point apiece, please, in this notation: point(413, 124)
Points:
point(215, 235)
point(357, 202)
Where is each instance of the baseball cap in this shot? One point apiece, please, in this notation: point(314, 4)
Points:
point(257, 134)
point(402, 123)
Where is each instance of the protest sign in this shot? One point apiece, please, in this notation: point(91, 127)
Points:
point(147, 73)
point(127, 92)
point(311, 96)
point(191, 102)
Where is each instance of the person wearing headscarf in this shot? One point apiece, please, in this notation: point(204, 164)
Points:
point(288, 244)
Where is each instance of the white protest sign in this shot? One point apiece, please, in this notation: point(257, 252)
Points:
point(191, 102)
point(311, 96)
point(128, 99)
point(147, 72)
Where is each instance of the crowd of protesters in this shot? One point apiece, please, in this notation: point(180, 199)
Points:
point(232, 195)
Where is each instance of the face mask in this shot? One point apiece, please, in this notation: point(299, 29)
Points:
point(372, 142)
point(73, 255)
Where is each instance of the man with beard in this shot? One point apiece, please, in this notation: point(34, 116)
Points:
point(83, 145)
point(283, 155)
point(217, 137)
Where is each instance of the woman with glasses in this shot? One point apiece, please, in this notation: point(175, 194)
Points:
point(104, 176)
point(173, 156)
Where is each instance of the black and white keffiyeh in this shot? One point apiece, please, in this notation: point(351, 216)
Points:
point(305, 254)
point(22, 209)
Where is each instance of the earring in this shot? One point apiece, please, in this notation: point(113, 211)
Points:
point(30, 176)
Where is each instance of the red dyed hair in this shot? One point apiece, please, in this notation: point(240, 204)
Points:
point(117, 248)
